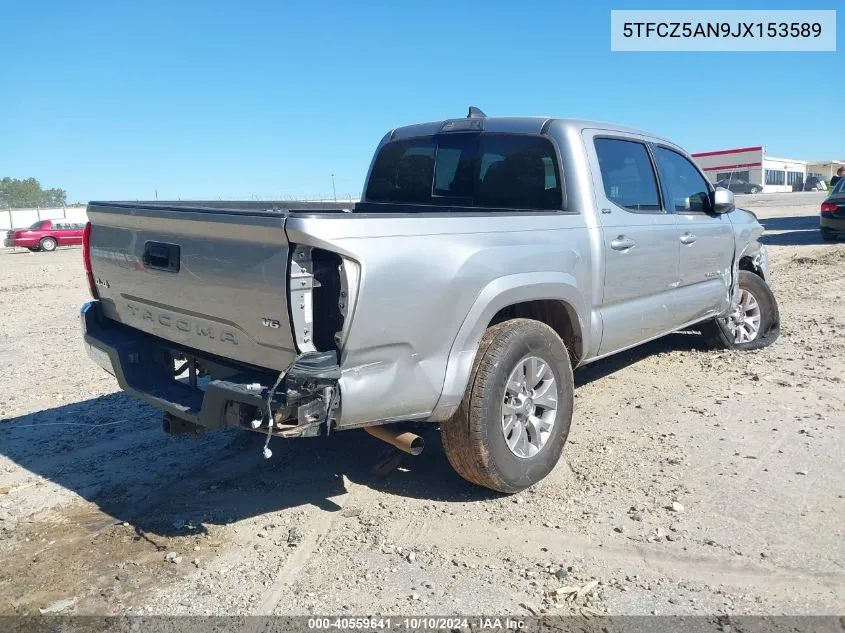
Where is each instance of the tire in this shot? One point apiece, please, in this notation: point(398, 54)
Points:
point(719, 334)
point(755, 190)
point(474, 438)
point(48, 244)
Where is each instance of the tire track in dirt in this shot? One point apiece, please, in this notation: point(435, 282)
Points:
point(315, 528)
point(698, 567)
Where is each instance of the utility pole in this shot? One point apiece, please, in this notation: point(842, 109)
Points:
point(334, 191)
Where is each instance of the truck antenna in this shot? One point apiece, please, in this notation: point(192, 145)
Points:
point(475, 113)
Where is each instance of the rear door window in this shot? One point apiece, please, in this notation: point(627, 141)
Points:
point(494, 171)
point(627, 174)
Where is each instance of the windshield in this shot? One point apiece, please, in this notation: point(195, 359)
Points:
point(505, 171)
point(840, 186)
point(36, 225)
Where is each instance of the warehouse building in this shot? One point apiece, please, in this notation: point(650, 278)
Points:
point(752, 165)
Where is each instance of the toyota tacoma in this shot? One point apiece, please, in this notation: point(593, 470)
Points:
point(486, 259)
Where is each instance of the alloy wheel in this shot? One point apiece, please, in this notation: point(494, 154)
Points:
point(529, 407)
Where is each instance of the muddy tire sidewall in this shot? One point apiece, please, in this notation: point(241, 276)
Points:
point(479, 449)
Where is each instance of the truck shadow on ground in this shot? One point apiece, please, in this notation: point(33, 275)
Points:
point(799, 230)
point(112, 452)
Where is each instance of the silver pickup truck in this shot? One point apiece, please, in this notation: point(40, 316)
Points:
point(487, 258)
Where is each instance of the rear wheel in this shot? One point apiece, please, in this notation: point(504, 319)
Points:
point(48, 244)
point(755, 189)
point(754, 322)
point(512, 424)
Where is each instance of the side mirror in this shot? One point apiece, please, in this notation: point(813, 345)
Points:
point(723, 201)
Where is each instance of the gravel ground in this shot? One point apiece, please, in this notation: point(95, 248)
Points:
point(694, 482)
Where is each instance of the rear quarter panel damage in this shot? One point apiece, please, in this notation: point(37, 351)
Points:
point(422, 302)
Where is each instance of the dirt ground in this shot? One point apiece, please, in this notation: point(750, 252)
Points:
point(101, 513)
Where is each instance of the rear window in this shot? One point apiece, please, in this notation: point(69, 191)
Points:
point(496, 171)
point(627, 174)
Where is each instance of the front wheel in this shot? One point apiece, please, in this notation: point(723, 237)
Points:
point(755, 189)
point(753, 323)
point(512, 424)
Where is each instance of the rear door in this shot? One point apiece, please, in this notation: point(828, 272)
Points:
point(65, 235)
point(706, 239)
point(639, 240)
point(74, 233)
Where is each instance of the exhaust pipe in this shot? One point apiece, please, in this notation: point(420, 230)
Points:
point(405, 441)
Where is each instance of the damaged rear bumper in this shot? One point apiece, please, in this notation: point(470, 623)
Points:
point(304, 404)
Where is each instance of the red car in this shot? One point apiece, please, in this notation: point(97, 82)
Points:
point(46, 235)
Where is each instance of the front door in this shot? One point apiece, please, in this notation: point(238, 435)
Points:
point(640, 242)
point(706, 239)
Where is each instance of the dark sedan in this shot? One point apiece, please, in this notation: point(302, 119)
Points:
point(739, 186)
point(832, 220)
point(814, 183)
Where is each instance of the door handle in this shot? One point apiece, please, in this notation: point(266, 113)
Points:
point(688, 238)
point(622, 243)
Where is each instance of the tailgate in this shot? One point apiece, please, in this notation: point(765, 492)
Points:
point(208, 279)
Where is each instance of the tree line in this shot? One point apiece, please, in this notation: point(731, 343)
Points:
point(29, 193)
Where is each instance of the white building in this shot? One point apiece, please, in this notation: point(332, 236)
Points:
point(753, 166)
point(824, 169)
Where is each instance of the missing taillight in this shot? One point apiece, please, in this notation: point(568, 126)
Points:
point(318, 299)
point(328, 318)
point(86, 260)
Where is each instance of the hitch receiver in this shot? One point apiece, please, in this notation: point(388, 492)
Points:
point(177, 426)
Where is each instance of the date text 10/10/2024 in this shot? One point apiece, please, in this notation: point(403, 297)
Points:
point(415, 623)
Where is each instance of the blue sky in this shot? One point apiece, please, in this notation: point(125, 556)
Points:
point(114, 100)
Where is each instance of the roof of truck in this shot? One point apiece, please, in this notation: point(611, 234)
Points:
point(518, 125)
